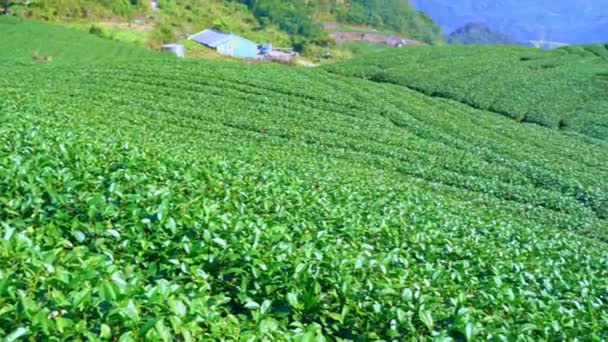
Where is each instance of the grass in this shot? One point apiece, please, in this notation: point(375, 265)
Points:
point(364, 48)
point(344, 52)
point(562, 88)
point(67, 46)
point(166, 199)
point(115, 31)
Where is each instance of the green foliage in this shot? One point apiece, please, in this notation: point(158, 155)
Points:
point(277, 21)
point(71, 9)
point(296, 17)
point(356, 13)
point(64, 45)
point(290, 16)
point(181, 18)
point(199, 200)
point(175, 19)
point(594, 50)
point(163, 33)
point(96, 30)
point(364, 48)
point(8, 6)
point(395, 15)
point(564, 88)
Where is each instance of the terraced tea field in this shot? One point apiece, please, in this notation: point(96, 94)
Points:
point(29, 42)
point(563, 89)
point(150, 198)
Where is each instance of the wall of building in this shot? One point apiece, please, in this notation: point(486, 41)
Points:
point(238, 47)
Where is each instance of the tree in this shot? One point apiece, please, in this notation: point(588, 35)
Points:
point(8, 4)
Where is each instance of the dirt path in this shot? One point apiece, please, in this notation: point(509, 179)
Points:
point(370, 37)
point(123, 25)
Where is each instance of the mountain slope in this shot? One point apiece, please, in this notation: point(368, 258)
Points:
point(195, 199)
point(561, 89)
point(173, 20)
point(478, 33)
point(575, 22)
point(396, 15)
point(281, 22)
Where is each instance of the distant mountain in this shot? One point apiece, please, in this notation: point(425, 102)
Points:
point(478, 33)
point(573, 21)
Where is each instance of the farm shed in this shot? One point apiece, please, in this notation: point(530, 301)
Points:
point(227, 44)
point(176, 49)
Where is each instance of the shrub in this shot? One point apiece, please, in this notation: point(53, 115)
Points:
point(96, 30)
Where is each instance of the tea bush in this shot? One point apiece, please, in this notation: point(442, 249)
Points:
point(561, 89)
point(198, 200)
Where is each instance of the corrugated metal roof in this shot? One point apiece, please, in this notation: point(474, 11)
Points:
point(211, 38)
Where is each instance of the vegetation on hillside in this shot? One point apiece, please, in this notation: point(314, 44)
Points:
point(298, 17)
point(175, 19)
point(563, 89)
point(277, 21)
point(65, 9)
point(172, 199)
point(61, 45)
point(293, 17)
point(395, 15)
point(478, 33)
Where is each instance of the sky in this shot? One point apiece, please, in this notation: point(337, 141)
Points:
point(573, 21)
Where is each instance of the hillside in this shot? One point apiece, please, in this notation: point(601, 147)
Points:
point(561, 89)
point(396, 15)
point(199, 200)
point(574, 22)
point(58, 45)
point(174, 19)
point(477, 34)
point(296, 23)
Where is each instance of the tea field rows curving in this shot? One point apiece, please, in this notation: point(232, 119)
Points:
point(563, 89)
point(151, 198)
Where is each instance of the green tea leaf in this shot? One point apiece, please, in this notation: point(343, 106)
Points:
point(106, 332)
point(221, 242)
point(16, 334)
point(470, 331)
point(265, 306)
point(251, 305)
point(163, 332)
point(426, 318)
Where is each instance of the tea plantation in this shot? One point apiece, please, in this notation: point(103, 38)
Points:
point(147, 198)
point(563, 89)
